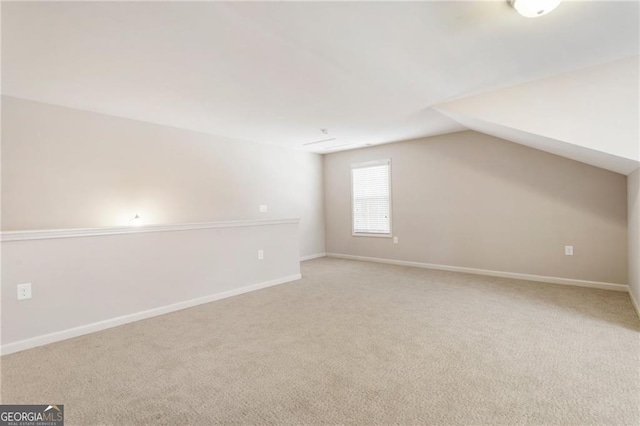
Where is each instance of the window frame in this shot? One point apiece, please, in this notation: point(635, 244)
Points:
point(361, 165)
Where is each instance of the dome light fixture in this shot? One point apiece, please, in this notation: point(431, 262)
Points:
point(534, 8)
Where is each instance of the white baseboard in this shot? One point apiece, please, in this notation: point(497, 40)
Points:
point(514, 275)
point(125, 319)
point(312, 256)
point(634, 302)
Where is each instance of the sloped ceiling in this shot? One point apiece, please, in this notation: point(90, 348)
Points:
point(278, 72)
point(591, 115)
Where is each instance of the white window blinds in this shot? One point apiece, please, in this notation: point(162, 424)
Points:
point(371, 202)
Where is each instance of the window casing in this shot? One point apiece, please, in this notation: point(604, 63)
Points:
point(371, 198)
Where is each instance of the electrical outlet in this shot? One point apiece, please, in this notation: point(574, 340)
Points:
point(395, 240)
point(24, 291)
point(260, 254)
point(568, 250)
point(263, 208)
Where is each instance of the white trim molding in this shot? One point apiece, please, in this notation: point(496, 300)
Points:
point(501, 274)
point(57, 336)
point(312, 256)
point(634, 302)
point(115, 230)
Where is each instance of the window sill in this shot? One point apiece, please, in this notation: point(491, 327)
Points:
point(360, 234)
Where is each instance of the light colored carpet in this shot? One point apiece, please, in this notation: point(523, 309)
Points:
point(355, 343)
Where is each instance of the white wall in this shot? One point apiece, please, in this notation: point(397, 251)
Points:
point(84, 284)
point(633, 187)
point(66, 168)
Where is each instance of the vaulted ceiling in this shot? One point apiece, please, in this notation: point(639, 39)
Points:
point(278, 72)
point(591, 115)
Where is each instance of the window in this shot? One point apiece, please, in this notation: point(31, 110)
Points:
point(371, 198)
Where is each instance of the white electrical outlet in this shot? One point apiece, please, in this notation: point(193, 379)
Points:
point(260, 254)
point(395, 240)
point(263, 208)
point(568, 250)
point(24, 291)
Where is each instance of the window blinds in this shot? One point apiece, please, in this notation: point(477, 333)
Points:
point(371, 197)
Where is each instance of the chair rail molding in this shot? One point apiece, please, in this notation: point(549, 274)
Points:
point(43, 234)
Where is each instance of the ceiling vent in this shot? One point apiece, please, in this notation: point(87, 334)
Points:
point(321, 141)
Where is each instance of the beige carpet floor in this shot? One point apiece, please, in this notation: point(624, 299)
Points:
point(354, 343)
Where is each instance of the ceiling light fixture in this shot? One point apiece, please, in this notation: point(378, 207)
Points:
point(136, 221)
point(534, 8)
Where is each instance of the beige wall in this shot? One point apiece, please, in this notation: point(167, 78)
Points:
point(633, 182)
point(472, 200)
point(66, 168)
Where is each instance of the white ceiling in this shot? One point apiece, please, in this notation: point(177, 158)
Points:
point(278, 72)
point(598, 158)
point(590, 115)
